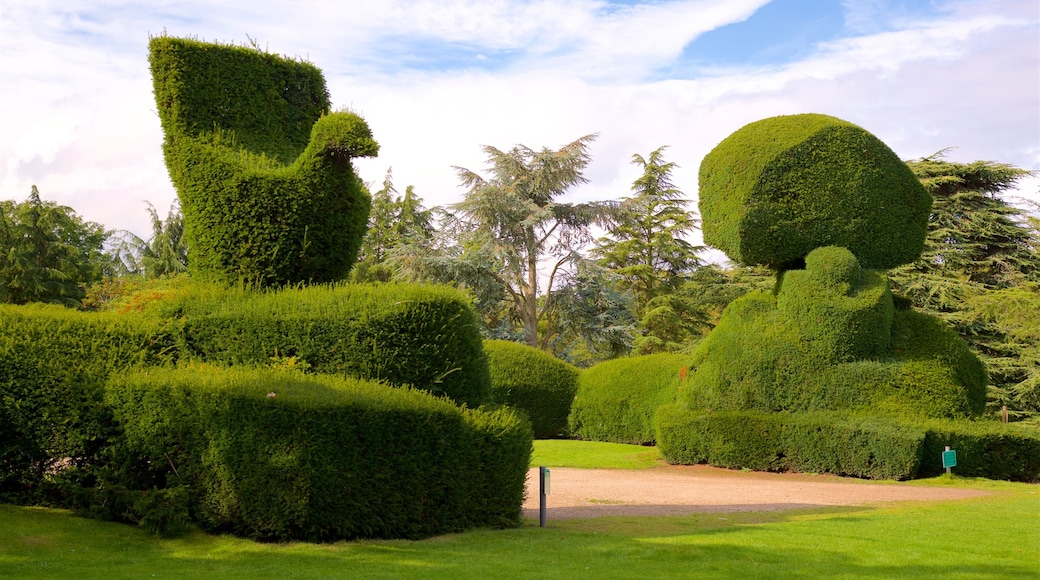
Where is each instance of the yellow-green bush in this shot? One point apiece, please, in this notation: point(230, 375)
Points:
point(280, 455)
point(533, 381)
point(781, 187)
point(617, 399)
point(262, 169)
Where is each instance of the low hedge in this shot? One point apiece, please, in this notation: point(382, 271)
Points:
point(617, 399)
point(533, 381)
point(53, 366)
point(423, 336)
point(984, 449)
point(844, 444)
point(281, 455)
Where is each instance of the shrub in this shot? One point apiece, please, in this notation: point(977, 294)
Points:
point(423, 336)
point(263, 171)
point(280, 455)
point(533, 381)
point(984, 449)
point(780, 187)
point(53, 365)
point(617, 399)
point(810, 442)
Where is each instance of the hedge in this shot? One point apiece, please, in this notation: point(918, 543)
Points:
point(617, 399)
point(533, 381)
point(419, 335)
point(280, 455)
point(780, 187)
point(262, 169)
point(53, 365)
point(846, 444)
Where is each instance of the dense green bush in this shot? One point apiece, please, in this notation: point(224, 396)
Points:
point(780, 187)
point(984, 449)
point(423, 336)
point(617, 399)
point(808, 442)
point(263, 171)
point(53, 365)
point(533, 381)
point(281, 455)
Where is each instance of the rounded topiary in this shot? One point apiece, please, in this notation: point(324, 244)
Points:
point(778, 188)
point(533, 381)
point(832, 265)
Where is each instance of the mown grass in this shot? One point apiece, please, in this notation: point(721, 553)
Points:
point(593, 455)
point(994, 536)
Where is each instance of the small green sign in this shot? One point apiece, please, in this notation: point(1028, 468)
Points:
point(949, 458)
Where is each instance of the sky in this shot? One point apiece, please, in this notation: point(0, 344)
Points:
point(437, 80)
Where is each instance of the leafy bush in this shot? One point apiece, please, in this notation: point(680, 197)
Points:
point(423, 336)
point(533, 381)
point(810, 442)
point(984, 449)
point(780, 187)
point(263, 171)
point(280, 455)
point(53, 365)
point(617, 399)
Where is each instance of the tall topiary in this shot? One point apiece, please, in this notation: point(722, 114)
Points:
point(778, 188)
point(262, 169)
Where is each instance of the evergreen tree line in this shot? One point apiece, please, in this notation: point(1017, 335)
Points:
point(593, 281)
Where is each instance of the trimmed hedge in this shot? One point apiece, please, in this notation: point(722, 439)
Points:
point(845, 444)
point(424, 336)
point(780, 187)
point(53, 365)
point(279, 455)
point(810, 442)
point(984, 449)
point(533, 381)
point(617, 399)
point(263, 171)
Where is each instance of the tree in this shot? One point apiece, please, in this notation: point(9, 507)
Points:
point(977, 245)
point(394, 221)
point(49, 252)
point(594, 319)
point(646, 245)
point(165, 253)
point(509, 225)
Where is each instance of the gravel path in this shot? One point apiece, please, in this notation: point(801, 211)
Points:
point(676, 490)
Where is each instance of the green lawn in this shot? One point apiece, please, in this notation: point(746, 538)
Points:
point(593, 454)
point(997, 536)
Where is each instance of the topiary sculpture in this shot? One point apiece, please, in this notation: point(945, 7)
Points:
point(779, 188)
point(262, 169)
point(828, 206)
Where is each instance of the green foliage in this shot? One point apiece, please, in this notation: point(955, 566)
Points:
point(48, 253)
point(593, 319)
point(756, 359)
point(810, 442)
point(978, 252)
point(423, 336)
point(843, 444)
point(53, 365)
point(509, 224)
point(984, 449)
point(533, 381)
point(279, 455)
point(395, 222)
point(262, 169)
point(646, 244)
point(780, 187)
point(165, 253)
point(617, 399)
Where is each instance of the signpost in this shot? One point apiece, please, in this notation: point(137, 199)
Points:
point(543, 490)
point(949, 459)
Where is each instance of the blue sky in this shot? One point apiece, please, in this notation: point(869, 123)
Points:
point(438, 79)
